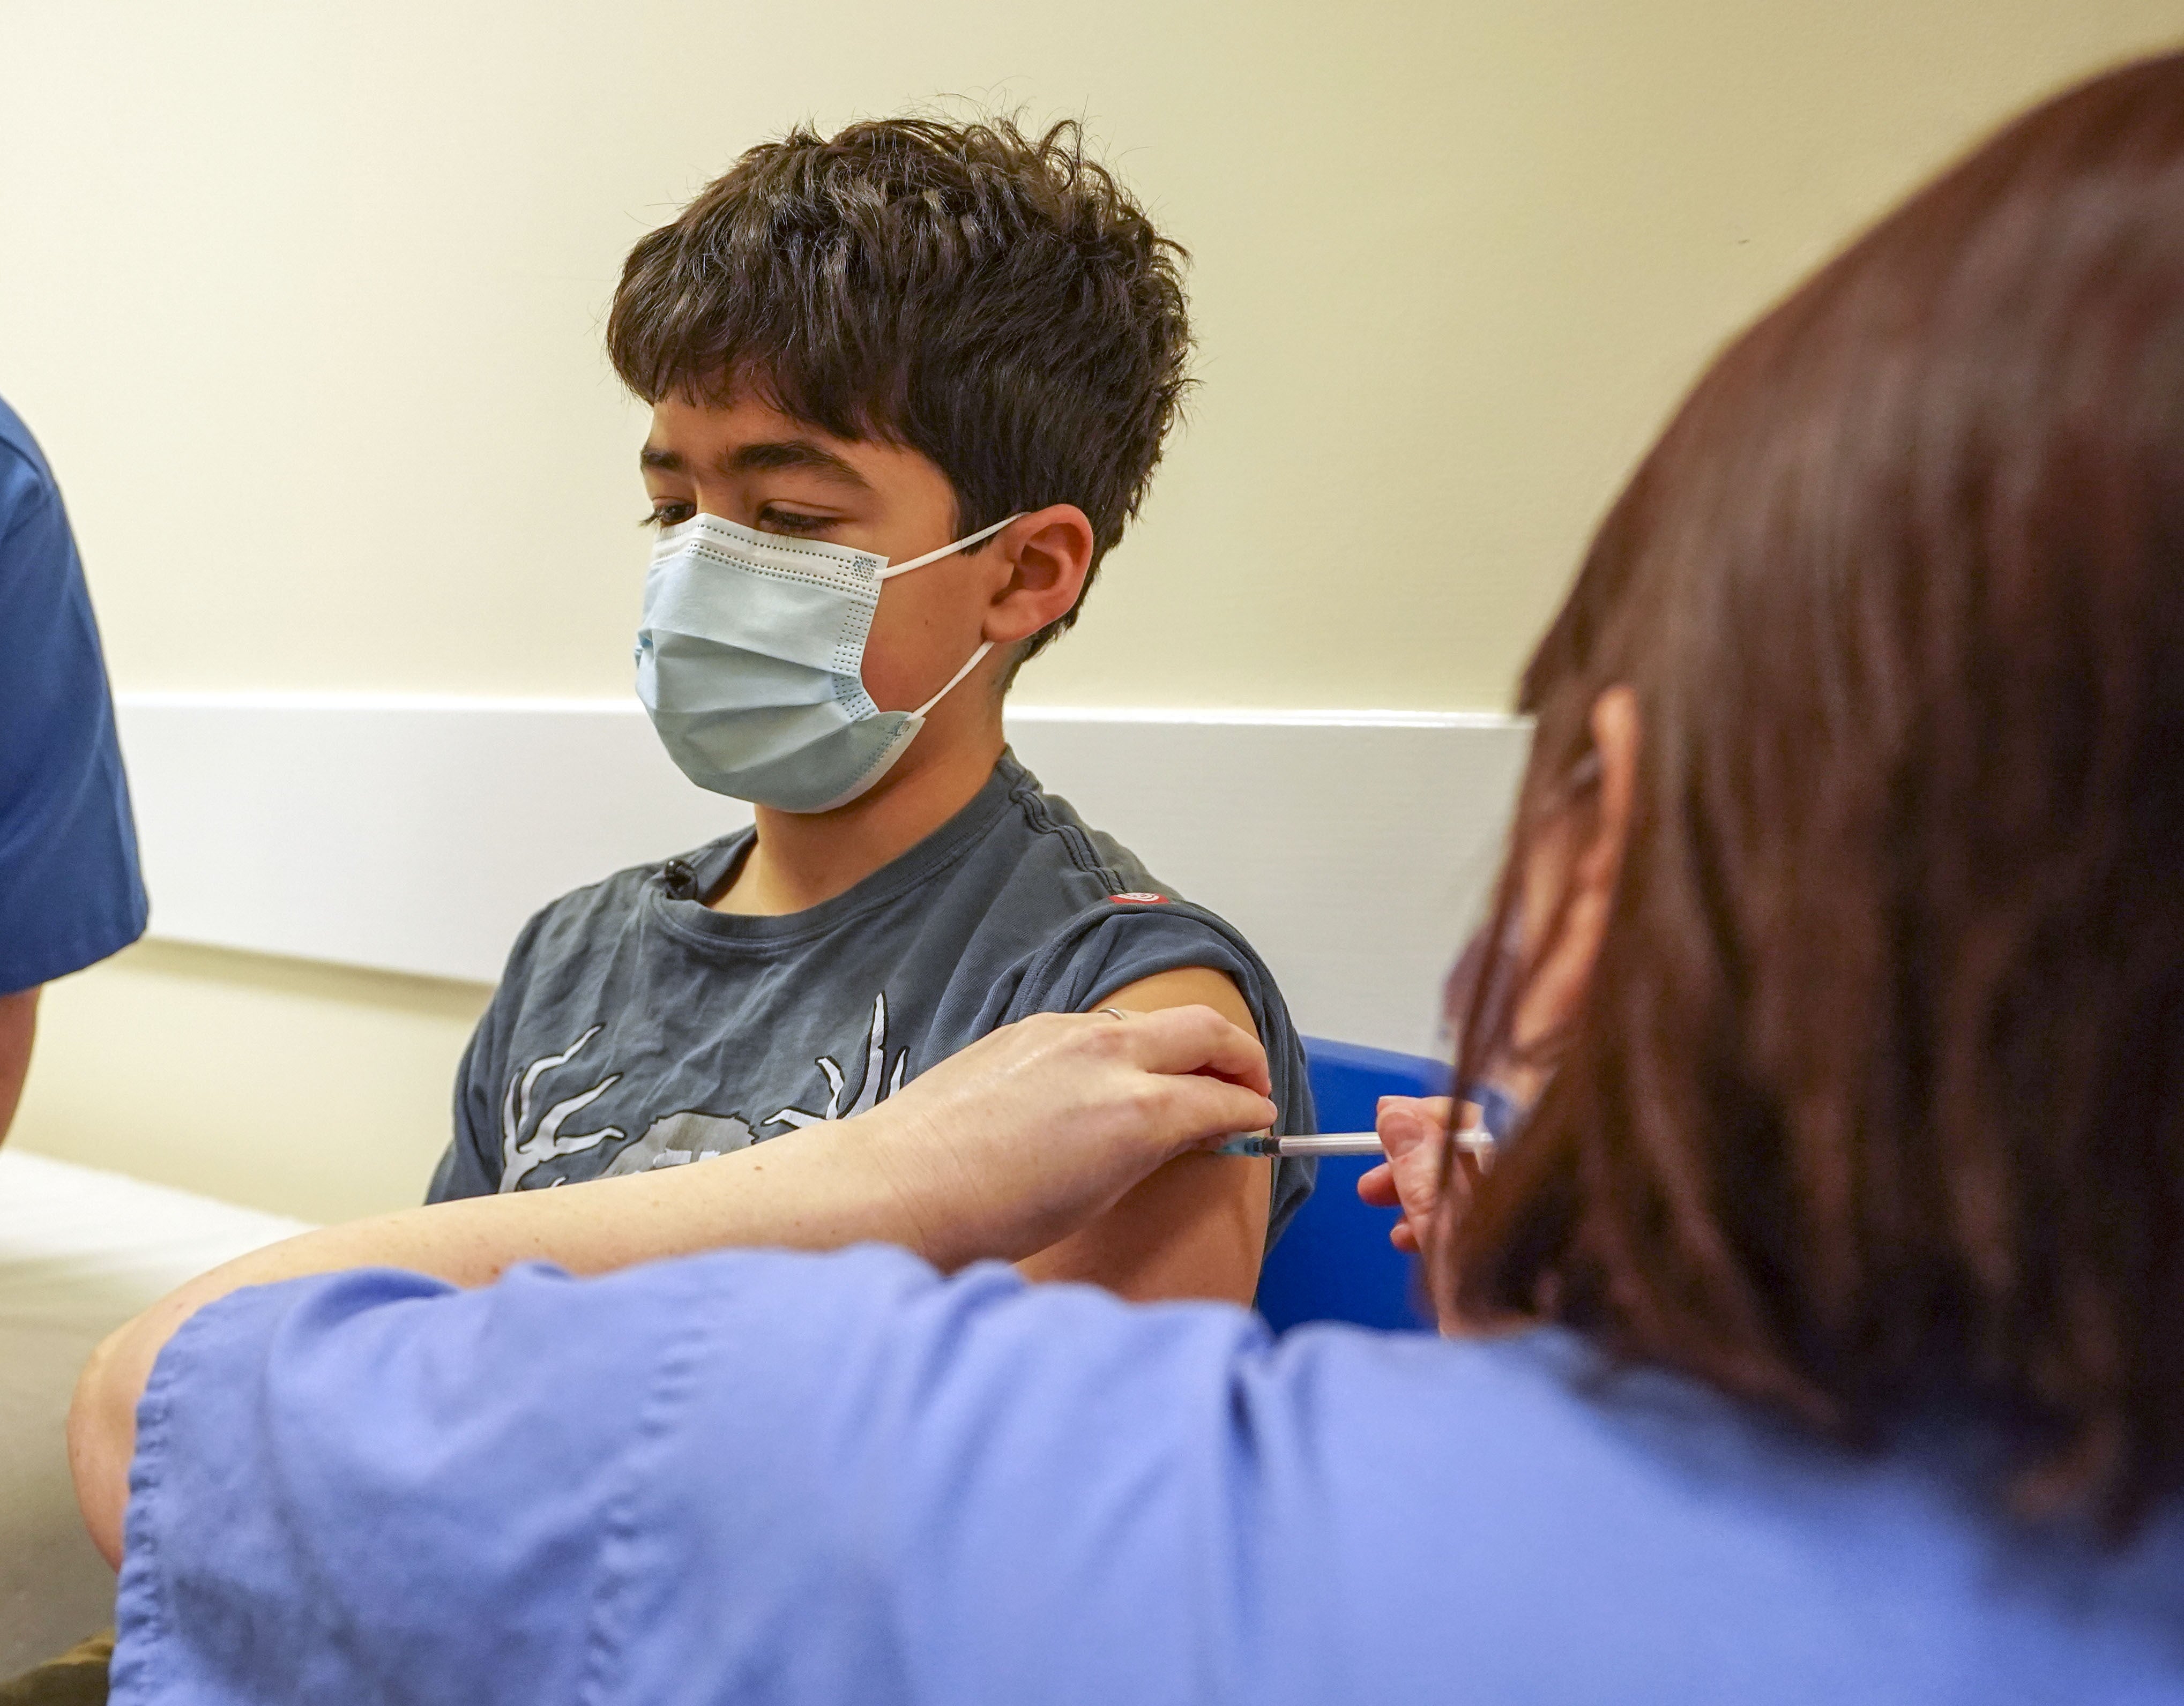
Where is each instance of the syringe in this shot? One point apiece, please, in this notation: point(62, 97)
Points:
point(1476, 1139)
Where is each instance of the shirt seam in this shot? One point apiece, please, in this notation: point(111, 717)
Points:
point(149, 1655)
point(1031, 801)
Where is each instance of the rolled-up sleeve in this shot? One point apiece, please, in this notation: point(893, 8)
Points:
point(1130, 937)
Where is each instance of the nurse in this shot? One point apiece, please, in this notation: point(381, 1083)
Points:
point(1818, 1337)
point(70, 893)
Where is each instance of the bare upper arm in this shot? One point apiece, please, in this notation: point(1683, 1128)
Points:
point(1197, 1228)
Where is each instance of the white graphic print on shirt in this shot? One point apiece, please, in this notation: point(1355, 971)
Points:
point(687, 1135)
point(870, 1094)
point(520, 1152)
point(674, 1140)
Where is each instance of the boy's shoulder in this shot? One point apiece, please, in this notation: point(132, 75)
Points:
point(1053, 853)
point(1017, 861)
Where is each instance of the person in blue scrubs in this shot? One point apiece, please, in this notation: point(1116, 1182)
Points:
point(70, 891)
point(1816, 1337)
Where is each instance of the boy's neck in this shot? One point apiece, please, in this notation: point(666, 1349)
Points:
point(801, 859)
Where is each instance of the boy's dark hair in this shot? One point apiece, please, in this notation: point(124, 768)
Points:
point(995, 302)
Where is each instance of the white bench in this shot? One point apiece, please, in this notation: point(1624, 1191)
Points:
point(80, 1252)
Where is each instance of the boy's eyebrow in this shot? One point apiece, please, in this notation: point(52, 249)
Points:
point(791, 452)
point(750, 458)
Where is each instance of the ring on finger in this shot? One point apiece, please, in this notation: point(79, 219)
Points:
point(1116, 1012)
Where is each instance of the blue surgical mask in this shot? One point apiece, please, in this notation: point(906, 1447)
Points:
point(750, 660)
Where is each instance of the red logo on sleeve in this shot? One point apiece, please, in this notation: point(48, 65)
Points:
point(1139, 899)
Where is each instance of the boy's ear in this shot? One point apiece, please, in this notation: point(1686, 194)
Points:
point(1049, 552)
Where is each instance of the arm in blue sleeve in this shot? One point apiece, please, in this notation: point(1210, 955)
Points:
point(370, 1486)
point(755, 1476)
point(69, 890)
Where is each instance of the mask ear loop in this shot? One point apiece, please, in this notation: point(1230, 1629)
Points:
point(965, 544)
point(977, 658)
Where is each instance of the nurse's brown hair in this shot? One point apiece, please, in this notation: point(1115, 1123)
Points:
point(1876, 1097)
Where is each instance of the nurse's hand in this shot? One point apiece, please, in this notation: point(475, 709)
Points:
point(1041, 1126)
point(1414, 1132)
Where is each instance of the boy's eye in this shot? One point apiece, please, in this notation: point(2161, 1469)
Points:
point(666, 514)
point(773, 518)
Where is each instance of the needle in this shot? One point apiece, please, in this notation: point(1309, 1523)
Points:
point(1476, 1139)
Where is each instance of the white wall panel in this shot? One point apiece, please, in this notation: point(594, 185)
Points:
point(415, 834)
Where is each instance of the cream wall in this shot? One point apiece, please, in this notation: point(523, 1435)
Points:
point(316, 1091)
point(305, 302)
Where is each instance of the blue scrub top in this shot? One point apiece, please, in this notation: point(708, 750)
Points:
point(69, 890)
point(781, 1480)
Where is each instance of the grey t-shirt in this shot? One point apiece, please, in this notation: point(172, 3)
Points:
point(635, 1027)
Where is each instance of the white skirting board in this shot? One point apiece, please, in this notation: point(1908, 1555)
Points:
point(415, 834)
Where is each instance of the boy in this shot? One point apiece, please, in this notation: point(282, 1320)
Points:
point(919, 346)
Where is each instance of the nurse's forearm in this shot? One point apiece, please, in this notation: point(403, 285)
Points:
point(806, 1190)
